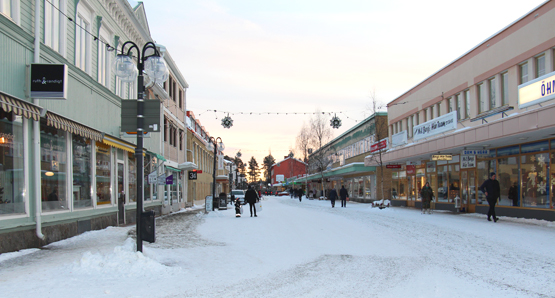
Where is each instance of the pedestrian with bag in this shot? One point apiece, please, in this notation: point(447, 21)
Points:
point(492, 191)
point(427, 194)
point(332, 194)
point(251, 197)
point(343, 194)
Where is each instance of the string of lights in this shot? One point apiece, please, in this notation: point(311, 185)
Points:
point(277, 113)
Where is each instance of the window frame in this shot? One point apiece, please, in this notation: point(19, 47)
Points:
point(83, 14)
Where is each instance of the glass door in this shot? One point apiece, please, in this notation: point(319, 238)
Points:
point(468, 190)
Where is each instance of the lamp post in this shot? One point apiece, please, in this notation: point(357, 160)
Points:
point(217, 146)
point(155, 68)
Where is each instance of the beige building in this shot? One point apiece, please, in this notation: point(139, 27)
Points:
point(468, 119)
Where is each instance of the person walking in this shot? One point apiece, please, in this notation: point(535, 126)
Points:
point(492, 190)
point(332, 194)
point(251, 198)
point(343, 194)
point(427, 194)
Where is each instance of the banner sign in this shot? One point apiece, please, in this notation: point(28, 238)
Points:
point(475, 152)
point(220, 162)
point(169, 180)
point(162, 179)
point(442, 157)
point(536, 91)
point(49, 81)
point(379, 145)
point(468, 161)
point(399, 139)
point(153, 177)
point(435, 126)
point(393, 166)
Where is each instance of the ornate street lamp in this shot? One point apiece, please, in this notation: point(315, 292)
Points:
point(155, 68)
point(218, 146)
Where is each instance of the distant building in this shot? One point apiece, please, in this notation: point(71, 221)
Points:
point(286, 171)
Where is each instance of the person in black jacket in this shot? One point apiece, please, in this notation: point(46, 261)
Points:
point(492, 190)
point(332, 194)
point(251, 197)
point(343, 194)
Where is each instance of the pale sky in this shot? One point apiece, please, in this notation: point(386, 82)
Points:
point(297, 56)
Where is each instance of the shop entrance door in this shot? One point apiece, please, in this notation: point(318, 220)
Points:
point(468, 190)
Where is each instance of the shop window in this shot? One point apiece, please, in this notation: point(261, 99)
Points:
point(103, 174)
point(513, 150)
point(535, 147)
point(132, 178)
point(535, 180)
point(368, 187)
point(454, 182)
point(82, 172)
point(402, 192)
point(442, 184)
point(53, 168)
point(12, 187)
point(394, 185)
point(508, 181)
point(149, 163)
point(485, 167)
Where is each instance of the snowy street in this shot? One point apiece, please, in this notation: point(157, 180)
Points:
point(296, 249)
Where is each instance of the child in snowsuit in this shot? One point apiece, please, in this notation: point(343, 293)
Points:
point(237, 208)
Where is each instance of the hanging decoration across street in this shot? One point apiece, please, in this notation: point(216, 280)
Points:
point(335, 122)
point(227, 122)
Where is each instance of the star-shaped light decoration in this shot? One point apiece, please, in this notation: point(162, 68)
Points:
point(227, 122)
point(335, 122)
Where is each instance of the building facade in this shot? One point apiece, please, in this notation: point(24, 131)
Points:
point(285, 172)
point(473, 117)
point(67, 167)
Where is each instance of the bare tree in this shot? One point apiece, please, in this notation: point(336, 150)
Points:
point(320, 130)
point(380, 133)
point(303, 141)
point(319, 134)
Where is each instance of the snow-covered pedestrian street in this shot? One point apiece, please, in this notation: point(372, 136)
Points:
point(296, 249)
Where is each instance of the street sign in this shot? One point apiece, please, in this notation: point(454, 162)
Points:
point(442, 157)
point(151, 116)
point(162, 179)
point(193, 175)
point(475, 152)
point(152, 177)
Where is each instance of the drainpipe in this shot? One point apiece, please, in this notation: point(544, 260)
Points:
point(36, 131)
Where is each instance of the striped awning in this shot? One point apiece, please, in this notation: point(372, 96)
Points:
point(19, 107)
point(129, 147)
point(73, 127)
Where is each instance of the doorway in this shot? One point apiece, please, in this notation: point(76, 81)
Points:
point(468, 190)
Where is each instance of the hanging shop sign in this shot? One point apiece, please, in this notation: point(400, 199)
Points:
point(393, 166)
point(379, 145)
point(220, 162)
point(162, 179)
point(411, 170)
point(153, 177)
point(193, 175)
point(536, 91)
point(169, 180)
point(442, 157)
point(468, 161)
point(435, 126)
point(399, 139)
point(48, 81)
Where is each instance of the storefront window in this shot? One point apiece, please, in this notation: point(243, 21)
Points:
point(402, 192)
point(431, 177)
point(103, 173)
point(82, 177)
point(173, 188)
point(420, 181)
point(454, 182)
point(132, 178)
point(53, 168)
point(508, 181)
point(535, 177)
point(535, 147)
point(442, 186)
point(150, 165)
point(485, 167)
point(552, 180)
point(358, 190)
point(11, 164)
point(394, 185)
point(368, 187)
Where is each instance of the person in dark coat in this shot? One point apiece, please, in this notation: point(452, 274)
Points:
point(332, 194)
point(492, 190)
point(343, 194)
point(513, 194)
point(427, 194)
point(251, 197)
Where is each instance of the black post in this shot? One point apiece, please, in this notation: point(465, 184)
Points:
point(214, 172)
point(139, 152)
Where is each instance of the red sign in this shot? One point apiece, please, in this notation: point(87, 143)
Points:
point(411, 170)
point(199, 171)
point(379, 145)
point(393, 166)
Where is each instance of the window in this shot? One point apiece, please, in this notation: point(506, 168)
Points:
point(481, 98)
point(425, 116)
point(540, 66)
point(83, 38)
point(431, 112)
point(535, 180)
point(492, 93)
point(505, 88)
point(467, 103)
point(181, 139)
point(458, 106)
point(104, 63)
point(12, 200)
point(53, 167)
point(10, 8)
point(417, 116)
point(103, 174)
point(132, 178)
point(180, 98)
point(165, 129)
point(523, 68)
point(439, 109)
point(449, 105)
point(54, 25)
point(82, 172)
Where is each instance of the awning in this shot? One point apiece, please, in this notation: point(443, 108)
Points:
point(172, 169)
point(187, 166)
point(158, 156)
point(73, 127)
point(119, 144)
point(19, 107)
